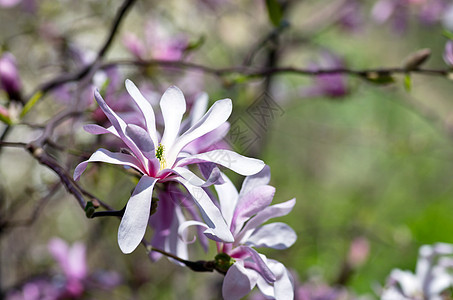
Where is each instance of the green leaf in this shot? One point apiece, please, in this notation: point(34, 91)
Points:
point(6, 119)
point(407, 82)
point(194, 45)
point(34, 99)
point(381, 78)
point(448, 34)
point(223, 261)
point(275, 11)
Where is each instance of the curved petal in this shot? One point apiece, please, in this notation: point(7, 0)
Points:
point(283, 286)
point(198, 108)
point(195, 180)
point(240, 164)
point(210, 141)
point(238, 282)
point(103, 155)
point(228, 197)
point(261, 178)
point(261, 264)
point(142, 139)
point(209, 212)
point(173, 107)
point(135, 220)
point(219, 112)
point(275, 235)
point(255, 201)
point(269, 212)
point(146, 109)
point(118, 124)
point(96, 129)
point(174, 244)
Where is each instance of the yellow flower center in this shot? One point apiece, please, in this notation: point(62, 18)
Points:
point(160, 156)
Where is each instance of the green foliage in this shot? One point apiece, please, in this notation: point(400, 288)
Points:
point(274, 10)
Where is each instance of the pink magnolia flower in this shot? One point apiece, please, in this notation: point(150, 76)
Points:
point(245, 212)
point(160, 158)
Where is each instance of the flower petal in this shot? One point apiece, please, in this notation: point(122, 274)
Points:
point(219, 112)
point(283, 286)
point(142, 139)
point(229, 159)
point(118, 124)
point(209, 212)
point(96, 129)
point(135, 220)
point(146, 109)
point(261, 264)
point(255, 201)
point(228, 197)
point(173, 107)
point(198, 108)
point(269, 212)
point(238, 282)
point(259, 179)
point(275, 235)
point(195, 180)
point(103, 155)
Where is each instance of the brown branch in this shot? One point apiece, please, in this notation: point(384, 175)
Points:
point(253, 72)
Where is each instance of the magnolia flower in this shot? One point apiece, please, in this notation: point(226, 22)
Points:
point(162, 159)
point(448, 53)
point(245, 212)
point(432, 276)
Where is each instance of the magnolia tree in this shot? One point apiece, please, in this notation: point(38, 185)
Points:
point(109, 115)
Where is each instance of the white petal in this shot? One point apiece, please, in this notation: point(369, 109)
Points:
point(229, 159)
point(269, 212)
point(219, 112)
point(228, 198)
point(194, 179)
point(275, 235)
point(135, 220)
point(259, 179)
point(283, 286)
point(146, 109)
point(209, 212)
point(103, 155)
point(173, 107)
point(199, 108)
point(96, 129)
point(238, 282)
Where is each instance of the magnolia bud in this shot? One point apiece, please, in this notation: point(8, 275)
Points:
point(9, 77)
point(448, 53)
point(416, 59)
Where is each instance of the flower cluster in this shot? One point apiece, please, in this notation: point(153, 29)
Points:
point(166, 162)
point(433, 277)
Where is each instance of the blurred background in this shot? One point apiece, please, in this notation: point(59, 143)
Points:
point(370, 163)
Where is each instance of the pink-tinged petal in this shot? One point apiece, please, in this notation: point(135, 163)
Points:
point(142, 139)
point(161, 220)
point(261, 264)
point(253, 181)
point(96, 129)
point(135, 220)
point(229, 159)
point(195, 180)
point(210, 141)
point(77, 267)
point(9, 3)
point(284, 285)
point(228, 197)
point(199, 108)
point(146, 109)
point(103, 155)
point(238, 282)
point(173, 107)
point(209, 212)
point(269, 212)
point(250, 204)
point(118, 124)
point(275, 235)
point(175, 245)
point(219, 112)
